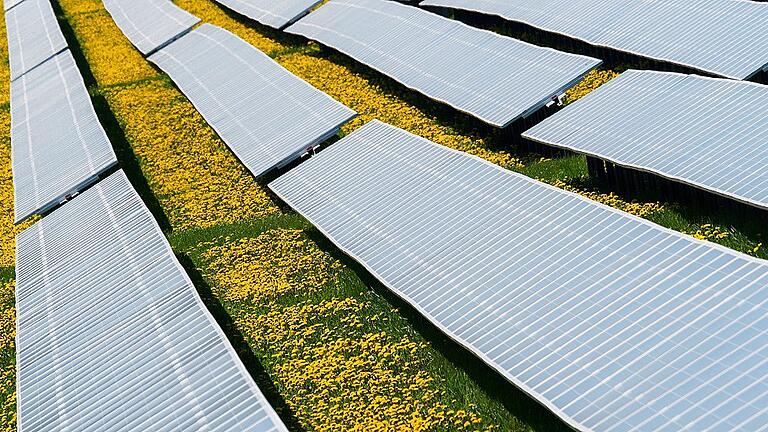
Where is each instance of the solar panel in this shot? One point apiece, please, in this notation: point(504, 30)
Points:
point(706, 132)
point(613, 322)
point(265, 114)
point(58, 144)
point(34, 36)
point(272, 13)
point(494, 78)
point(111, 332)
point(150, 24)
point(722, 37)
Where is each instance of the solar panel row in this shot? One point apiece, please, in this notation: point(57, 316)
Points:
point(34, 35)
point(58, 144)
point(150, 24)
point(265, 114)
point(706, 132)
point(112, 335)
point(722, 37)
point(494, 78)
point(275, 14)
point(614, 323)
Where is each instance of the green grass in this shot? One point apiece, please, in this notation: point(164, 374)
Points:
point(95, 90)
point(459, 371)
point(547, 169)
point(7, 354)
point(7, 273)
point(183, 240)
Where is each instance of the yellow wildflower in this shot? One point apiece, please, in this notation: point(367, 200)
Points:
point(275, 262)
point(344, 377)
point(7, 357)
point(710, 232)
point(591, 81)
point(636, 208)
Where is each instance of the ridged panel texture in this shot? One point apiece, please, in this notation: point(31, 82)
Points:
point(150, 24)
point(265, 114)
point(57, 142)
point(723, 37)
point(494, 78)
point(34, 35)
point(614, 323)
point(706, 132)
point(273, 13)
point(111, 333)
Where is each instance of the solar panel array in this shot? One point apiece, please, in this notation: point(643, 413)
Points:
point(494, 78)
point(265, 114)
point(150, 24)
point(614, 323)
point(706, 132)
point(58, 144)
point(34, 35)
point(111, 333)
point(722, 37)
point(275, 14)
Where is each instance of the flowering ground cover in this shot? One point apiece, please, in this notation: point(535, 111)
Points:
point(340, 355)
point(7, 355)
point(591, 81)
point(331, 348)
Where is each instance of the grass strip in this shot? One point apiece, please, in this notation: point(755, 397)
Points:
point(7, 353)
